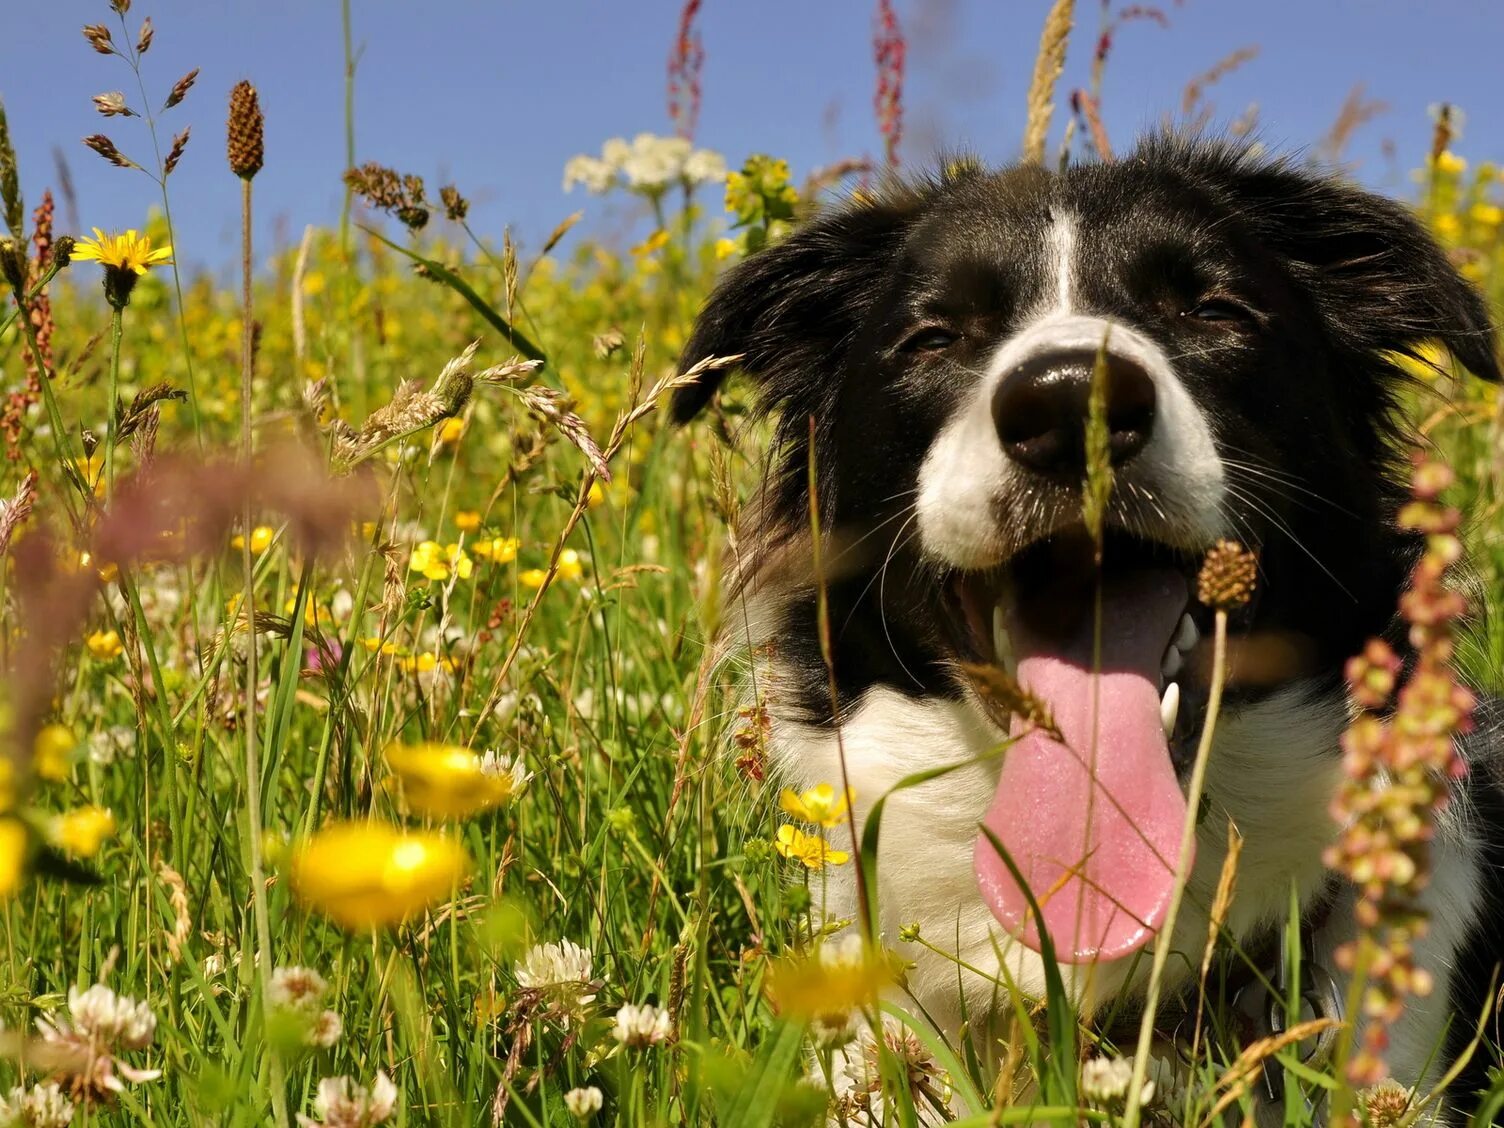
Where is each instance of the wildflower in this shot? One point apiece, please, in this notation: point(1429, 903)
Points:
point(560, 974)
point(640, 1027)
point(341, 1103)
point(245, 135)
point(843, 977)
point(1105, 1081)
point(449, 431)
point(14, 843)
point(860, 1074)
point(810, 850)
point(440, 562)
point(820, 804)
point(261, 540)
point(52, 752)
point(124, 258)
point(498, 550)
point(107, 572)
point(1227, 576)
point(584, 1103)
point(299, 992)
point(83, 1049)
point(366, 875)
point(596, 495)
point(569, 568)
point(81, 832)
point(378, 646)
point(104, 645)
point(448, 781)
point(725, 248)
point(1487, 215)
point(1387, 1104)
point(652, 244)
point(41, 1106)
point(596, 175)
point(1449, 163)
point(467, 520)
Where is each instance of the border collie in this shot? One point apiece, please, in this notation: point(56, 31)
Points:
point(935, 345)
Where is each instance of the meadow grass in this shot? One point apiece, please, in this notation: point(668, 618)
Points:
point(483, 587)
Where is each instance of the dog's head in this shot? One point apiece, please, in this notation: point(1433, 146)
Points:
point(937, 345)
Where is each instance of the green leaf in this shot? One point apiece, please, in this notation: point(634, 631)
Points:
point(756, 1102)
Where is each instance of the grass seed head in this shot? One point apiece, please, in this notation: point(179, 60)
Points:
point(246, 140)
point(180, 89)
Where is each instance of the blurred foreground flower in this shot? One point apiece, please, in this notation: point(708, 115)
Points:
point(13, 849)
point(448, 781)
point(366, 875)
point(829, 988)
point(341, 1103)
point(52, 752)
point(83, 831)
point(811, 850)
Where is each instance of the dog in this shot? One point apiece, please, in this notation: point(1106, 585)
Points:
point(928, 353)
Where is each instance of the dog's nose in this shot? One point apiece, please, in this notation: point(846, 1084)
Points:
point(1040, 410)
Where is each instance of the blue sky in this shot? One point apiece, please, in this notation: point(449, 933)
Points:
point(497, 94)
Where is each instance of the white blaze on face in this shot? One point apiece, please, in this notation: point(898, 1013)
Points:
point(976, 507)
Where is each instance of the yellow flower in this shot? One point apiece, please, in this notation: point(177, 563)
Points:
point(570, 567)
point(467, 520)
point(1448, 226)
point(104, 645)
point(446, 781)
point(91, 470)
point(654, 242)
point(810, 850)
point(725, 248)
point(13, 850)
point(376, 646)
point(81, 832)
point(1487, 215)
point(261, 539)
point(1450, 163)
point(498, 550)
point(366, 875)
point(841, 977)
point(131, 251)
point(52, 750)
point(427, 662)
point(439, 562)
point(820, 804)
point(107, 572)
point(450, 430)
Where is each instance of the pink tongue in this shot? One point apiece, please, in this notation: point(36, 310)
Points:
point(1099, 855)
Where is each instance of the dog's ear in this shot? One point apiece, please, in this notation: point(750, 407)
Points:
point(789, 311)
point(1383, 282)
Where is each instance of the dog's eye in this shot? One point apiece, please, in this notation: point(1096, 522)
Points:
point(932, 338)
point(1219, 311)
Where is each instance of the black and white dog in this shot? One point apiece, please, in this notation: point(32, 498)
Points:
point(941, 337)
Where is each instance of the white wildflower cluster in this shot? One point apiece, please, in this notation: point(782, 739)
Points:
point(502, 765)
point(584, 1103)
point(299, 992)
point(1105, 1081)
point(83, 1049)
point(41, 1106)
point(561, 974)
point(639, 1027)
point(648, 165)
point(341, 1103)
point(857, 1075)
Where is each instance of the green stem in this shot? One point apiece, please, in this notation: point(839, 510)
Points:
point(112, 423)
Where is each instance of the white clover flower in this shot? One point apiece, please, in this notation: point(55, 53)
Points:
point(549, 965)
point(583, 1103)
point(502, 764)
point(41, 1106)
point(111, 1019)
point(341, 1103)
point(639, 1027)
point(596, 175)
point(1105, 1081)
point(326, 1029)
point(705, 166)
point(296, 987)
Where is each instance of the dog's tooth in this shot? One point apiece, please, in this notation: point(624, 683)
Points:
point(1169, 707)
point(1186, 636)
point(1170, 665)
point(1002, 643)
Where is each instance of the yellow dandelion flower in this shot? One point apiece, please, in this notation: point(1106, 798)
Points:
point(81, 832)
point(13, 851)
point(467, 520)
point(821, 804)
point(52, 752)
point(261, 540)
point(498, 550)
point(104, 645)
point(131, 251)
point(447, 781)
point(367, 875)
point(810, 850)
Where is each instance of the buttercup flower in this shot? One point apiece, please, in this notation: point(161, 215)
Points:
point(13, 849)
point(570, 568)
point(448, 781)
point(52, 752)
point(821, 804)
point(810, 850)
point(467, 520)
point(104, 645)
point(261, 539)
point(367, 875)
point(83, 831)
point(440, 562)
point(639, 1027)
point(341, 1103)
point(498, 550)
